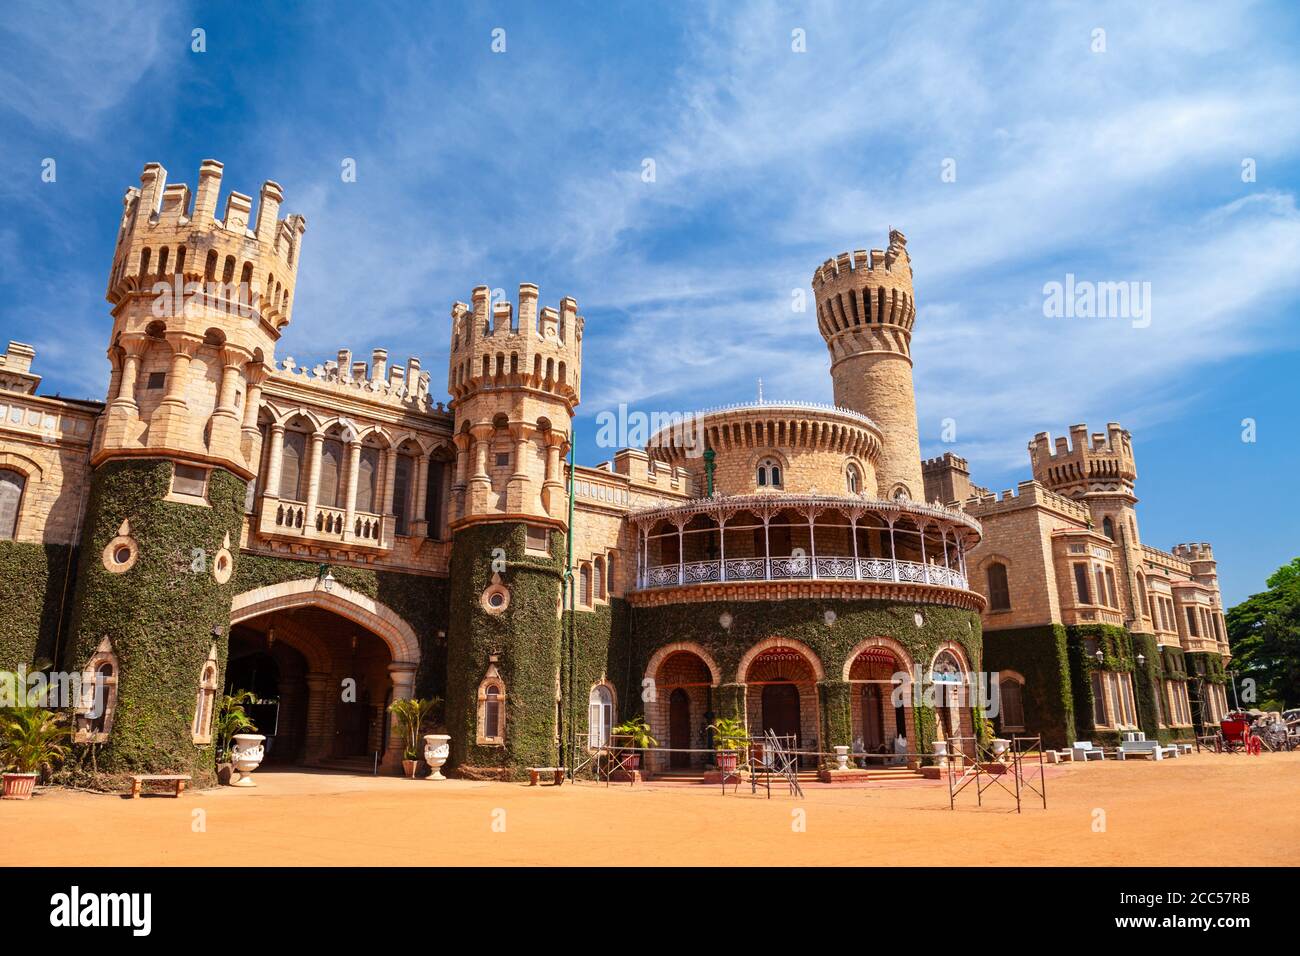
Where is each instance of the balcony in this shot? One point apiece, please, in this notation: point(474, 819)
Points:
point(882, 570)
point(283, 518)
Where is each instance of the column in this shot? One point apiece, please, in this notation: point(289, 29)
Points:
point(354, 465)
point(419, 524)
point(225, 435)
point(402, 674)
point(251, 436)
point(386, 500)
point(313, 480)
point(517, 486)
point(173, 424)
point(272, 486)
point(132, 350)
point(554, 496)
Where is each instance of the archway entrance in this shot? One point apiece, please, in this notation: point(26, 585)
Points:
point(781, 711)
point(321, 682)
point(682, 707)
point(881, 710)
point(781, 696)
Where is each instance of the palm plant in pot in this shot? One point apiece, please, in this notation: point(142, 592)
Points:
point(32, 740)
point(729, 736)
point(412, 714)
point(633, 735)
point(230, 720)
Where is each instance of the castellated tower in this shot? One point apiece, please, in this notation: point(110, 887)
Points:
point(865, 311)
point(513, 375)
point(1100, 471)
point(198, 304)
point(1205, 569)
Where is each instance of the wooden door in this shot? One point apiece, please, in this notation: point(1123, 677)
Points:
point(679, 728)
point(873, 718)
point(781, 711)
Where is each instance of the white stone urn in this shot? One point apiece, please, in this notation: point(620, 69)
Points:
point(841, 758)
point(941, 752)
point(436, 749)
point(246, 757)
point(1000, 748)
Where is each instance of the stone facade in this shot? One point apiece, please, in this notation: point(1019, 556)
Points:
point(367, 503)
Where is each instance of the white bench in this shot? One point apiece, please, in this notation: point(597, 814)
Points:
point(1146, 748)
point(1084, 750)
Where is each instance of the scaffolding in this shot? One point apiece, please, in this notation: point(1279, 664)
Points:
point(1022, 761)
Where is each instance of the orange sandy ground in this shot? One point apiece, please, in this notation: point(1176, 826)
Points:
point(1200, 810)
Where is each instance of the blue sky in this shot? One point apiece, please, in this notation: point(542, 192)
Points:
point(476, 167)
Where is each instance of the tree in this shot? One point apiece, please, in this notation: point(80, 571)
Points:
point(1264, 634)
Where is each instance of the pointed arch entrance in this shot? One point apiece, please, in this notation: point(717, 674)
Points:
point(325, 665)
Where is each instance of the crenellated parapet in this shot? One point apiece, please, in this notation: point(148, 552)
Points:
point(1100, 464)
point(495, 344)
point(404, 386)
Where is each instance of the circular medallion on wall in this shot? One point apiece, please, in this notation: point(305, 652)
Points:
point(919, 618)
point(725, 620)
point(122, 552)
point(223, 563)
point(829, 618)
point(496, 596)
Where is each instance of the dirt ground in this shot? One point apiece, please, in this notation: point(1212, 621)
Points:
point(1200, 810)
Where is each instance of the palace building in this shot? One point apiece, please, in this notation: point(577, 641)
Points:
point(335, 536)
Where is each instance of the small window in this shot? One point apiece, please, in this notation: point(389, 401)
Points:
point(1108, 528)
point(156, 380)
point(491, 708)
point(999, 590)
point(1110, 588)
point(201, 730)
point(1098, 700)
point(584, 584)
point(600, 716)
point(769, 473)
point(537, 539)
point(503, 459)
point(1192, 627)
point(598, 574)
point(189, 480)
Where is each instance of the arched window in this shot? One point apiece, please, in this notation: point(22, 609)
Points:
point(12, 484)
point(98, 695)
point(1108, 527)
point(999, 590)
point(598, 575)
point(292, 473)
point(584, 584)
point(600, 716)
point(367, 473)
point(331, 488)
point(1012, 704)
point(610, 580)
point(205, 700)
point(492, 708)
point(853, 478)
point(1142, 593)
point(769, 473)
point(901, 493)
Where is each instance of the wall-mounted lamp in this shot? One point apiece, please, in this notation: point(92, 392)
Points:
point(326, 577)
point(1141, 659)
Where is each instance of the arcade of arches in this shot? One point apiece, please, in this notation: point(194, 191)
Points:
point(779, 682)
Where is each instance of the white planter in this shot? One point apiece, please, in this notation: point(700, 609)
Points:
point(941, 752)
point(1000, 747)
point(841, 758)
point(436, 749)
point(247, 756)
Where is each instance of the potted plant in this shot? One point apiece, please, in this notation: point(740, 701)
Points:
point(634, 733)
point(32, 740)
point(729, 736)
point(231, 720)
point(412, 714)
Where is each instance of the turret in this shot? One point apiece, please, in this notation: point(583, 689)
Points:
point(865, 312)
point(1200, 556)
point(1081, 466)
point(198, 305)
point(514, 375)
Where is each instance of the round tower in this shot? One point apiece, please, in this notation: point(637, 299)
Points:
point(865, 311)
point(513, 376)
point(198, 304)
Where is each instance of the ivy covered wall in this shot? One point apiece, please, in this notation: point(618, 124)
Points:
point(1039, 654)
point(1116, 646)
point(163, 616)
point(36, 592)
point(526, 636)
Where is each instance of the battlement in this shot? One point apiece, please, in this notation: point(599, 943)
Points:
point(16, 373)
point(858, 262)
point(171, 236)
point(944, 462)
point(1100, 463)
point(1028, 494)
point(404, 385)
point(1194, 551)
point(499, 344)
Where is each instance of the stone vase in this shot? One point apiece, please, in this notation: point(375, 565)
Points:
point(437, 747)
point(841, 758)
point(247, 757)
point(941, 753)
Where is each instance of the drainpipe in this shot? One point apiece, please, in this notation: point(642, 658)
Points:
point(571, 737)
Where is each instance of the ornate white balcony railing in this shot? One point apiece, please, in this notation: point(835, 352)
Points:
point(801, 568)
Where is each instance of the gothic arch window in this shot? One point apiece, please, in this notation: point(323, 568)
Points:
point(600, 716)
point(769, 473)
point(293, 473)
point(1108, 527)
point(609, 573)
point(999, 588)
point(584, 584)
point(1142, 593)
point(98, 695)
point(900, 493)
point(205, 700)
point(598, 576)
point(853, 479)
point(1011, 702)
point(331, 487)
point(492, 708)
point(12, 484)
